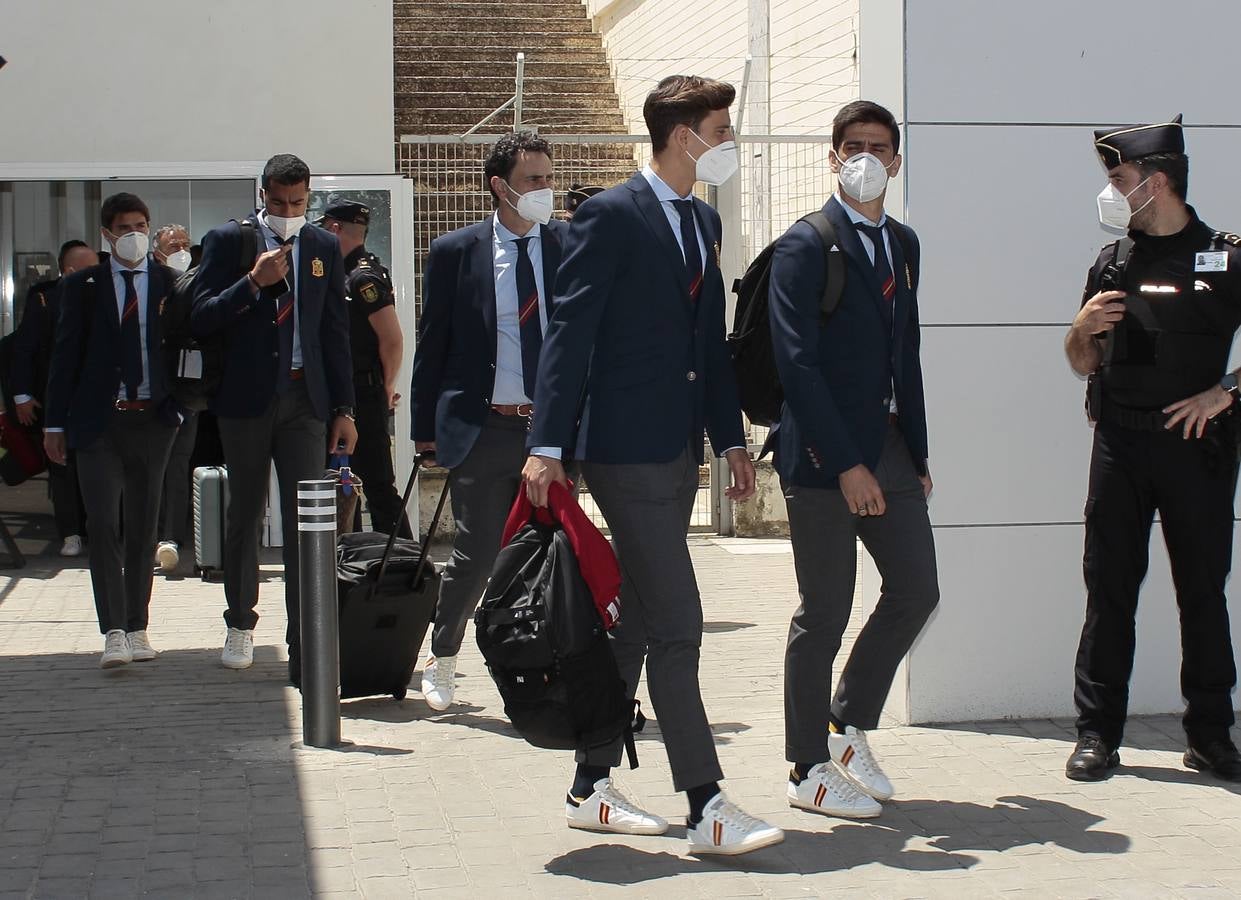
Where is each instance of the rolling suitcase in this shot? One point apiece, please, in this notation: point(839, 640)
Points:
point(387, 588)
point(210, 512)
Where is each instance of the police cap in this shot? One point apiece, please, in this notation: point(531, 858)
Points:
point(578, 194)
point(1132, 142)
point(347, 211)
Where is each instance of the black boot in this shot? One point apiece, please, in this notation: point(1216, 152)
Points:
point(1218, 756)
point(1092, 759)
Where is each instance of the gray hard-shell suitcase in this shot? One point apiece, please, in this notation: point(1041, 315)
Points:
point(210, 510)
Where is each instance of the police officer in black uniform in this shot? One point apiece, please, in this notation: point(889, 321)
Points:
point(577, 195)
point(1154, 332)
point(376, 344)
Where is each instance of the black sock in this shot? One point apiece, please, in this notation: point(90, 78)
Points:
point(699, 797)
point(801, 770)
point(584, 780)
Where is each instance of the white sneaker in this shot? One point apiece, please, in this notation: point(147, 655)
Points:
point(727, 831)
point(238, 649)
point(72, 546)
point(167, 556)
point(852, 754)
point(438, 682)
point(115, 650)
point(140, 648)
point(824, 790)
point(608, 810)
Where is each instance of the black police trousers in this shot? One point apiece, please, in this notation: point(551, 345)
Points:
point(372, 459)
point(1190, 483)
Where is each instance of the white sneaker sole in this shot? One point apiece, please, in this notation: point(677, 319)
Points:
point(600, 828)
point(144, 657)
point(746, 846)
point(236, 663)
point(837, 813)
point(114, 662)
point(863, 787)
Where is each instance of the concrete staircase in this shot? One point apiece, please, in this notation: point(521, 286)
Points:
point(456, 62)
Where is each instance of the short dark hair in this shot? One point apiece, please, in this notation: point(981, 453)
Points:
point(503, 158)
point(119, 204)
point(683, 100)
point(863, 112)
point(1174, 166)
point(64, 251)
point(285, 168)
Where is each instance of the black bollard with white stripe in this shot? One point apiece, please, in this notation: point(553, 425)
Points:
point(320, 613)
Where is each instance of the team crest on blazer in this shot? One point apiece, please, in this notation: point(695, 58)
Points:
point(316, 267)
point(162, 300)
point(716, 245)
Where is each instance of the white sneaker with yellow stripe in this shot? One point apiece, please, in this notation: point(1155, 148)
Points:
point(824, 790)
point(851, 753)
point(727, 831)
point(608, 810)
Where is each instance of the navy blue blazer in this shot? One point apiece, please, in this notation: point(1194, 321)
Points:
point(85, 372)
point(225, 306)
point(835, 376)
point(632, 370)
point(32, 342)
point(455, 360)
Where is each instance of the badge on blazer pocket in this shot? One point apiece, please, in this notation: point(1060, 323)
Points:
point(316, 267)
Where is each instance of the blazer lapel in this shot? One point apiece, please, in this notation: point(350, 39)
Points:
point(851, 245)
point(157, 292)
point(711, 243)
point(483, 268)
point(901, 303)
point(105, 293)
point(653, 212)
point(551, 263)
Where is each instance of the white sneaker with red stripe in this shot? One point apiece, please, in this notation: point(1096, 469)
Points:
point(727, 831)
point(824, 790)
point(851, 753)
point(608, 810)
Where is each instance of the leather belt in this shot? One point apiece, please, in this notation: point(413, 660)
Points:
point(1134, 419)
point(297, 374)
point(134, 405)
point(513, 409)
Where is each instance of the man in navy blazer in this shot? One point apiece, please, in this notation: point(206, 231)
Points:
point(485, 305)
point(287, 389)
point(108, 400)
point(635, 369)
point(851, 451)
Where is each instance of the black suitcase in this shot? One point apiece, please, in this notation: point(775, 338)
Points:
point(387, 588)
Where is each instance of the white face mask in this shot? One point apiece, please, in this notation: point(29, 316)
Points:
point(1114, 208)
point(285, 226)
point(862, 176)
point(718, 164)
point(179, 262)
point(130, 247)
point(534, 206)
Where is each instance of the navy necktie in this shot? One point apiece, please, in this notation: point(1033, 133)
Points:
point(689, 242)
point(284, 315)
point(131, 338)
point(528, 318)
point(883, 269)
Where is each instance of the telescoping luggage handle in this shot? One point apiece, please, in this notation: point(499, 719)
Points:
point(424, 556)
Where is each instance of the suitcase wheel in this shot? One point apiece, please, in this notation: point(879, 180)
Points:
point(399, 693)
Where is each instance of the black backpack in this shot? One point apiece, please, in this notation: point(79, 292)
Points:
point(179, 340)
point(758, 381)
point(547, 650)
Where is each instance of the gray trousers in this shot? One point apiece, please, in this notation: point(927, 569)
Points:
point(295, 439)
point(482, 489)
point(825, 533)
point(648, 509)
point(121, 473)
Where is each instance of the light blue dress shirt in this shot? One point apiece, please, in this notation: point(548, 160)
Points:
point(510, 386)
point(273, 242)
point(142, 283)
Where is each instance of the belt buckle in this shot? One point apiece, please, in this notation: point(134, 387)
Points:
point(121, 405)
point(525, 410)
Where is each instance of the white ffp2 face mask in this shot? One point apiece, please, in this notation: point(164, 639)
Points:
point(862, 176)
point(285, 226)
point(718, 164)
point(1115, 210)
point(534, 206)
point(179, 261)
point(130, 247)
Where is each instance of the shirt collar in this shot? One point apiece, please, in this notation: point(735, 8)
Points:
point(663, 192)
point(118, 268)
point(858, 219)
point(503, 234)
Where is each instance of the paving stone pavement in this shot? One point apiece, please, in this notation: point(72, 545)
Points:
point(178, 779)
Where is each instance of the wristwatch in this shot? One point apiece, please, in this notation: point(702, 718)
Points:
point(1229, 384)
point(347, 412)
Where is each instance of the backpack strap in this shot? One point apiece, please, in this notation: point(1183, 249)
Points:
point(249, 245)
point(834, 286)
point(638, 723)
point(1222, 240)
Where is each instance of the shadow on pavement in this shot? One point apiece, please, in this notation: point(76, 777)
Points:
point(921, 836)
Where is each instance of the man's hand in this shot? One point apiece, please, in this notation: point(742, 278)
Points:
point(927, 485)
point(538, 473)
point(1101, 312)
point(25, 411)
point(343, 437)
point(428, 448)
point(862, 492)
point(1196, 412)
point(271, 266)
point(742, 469)
point(54, 446)
point(394, 398)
